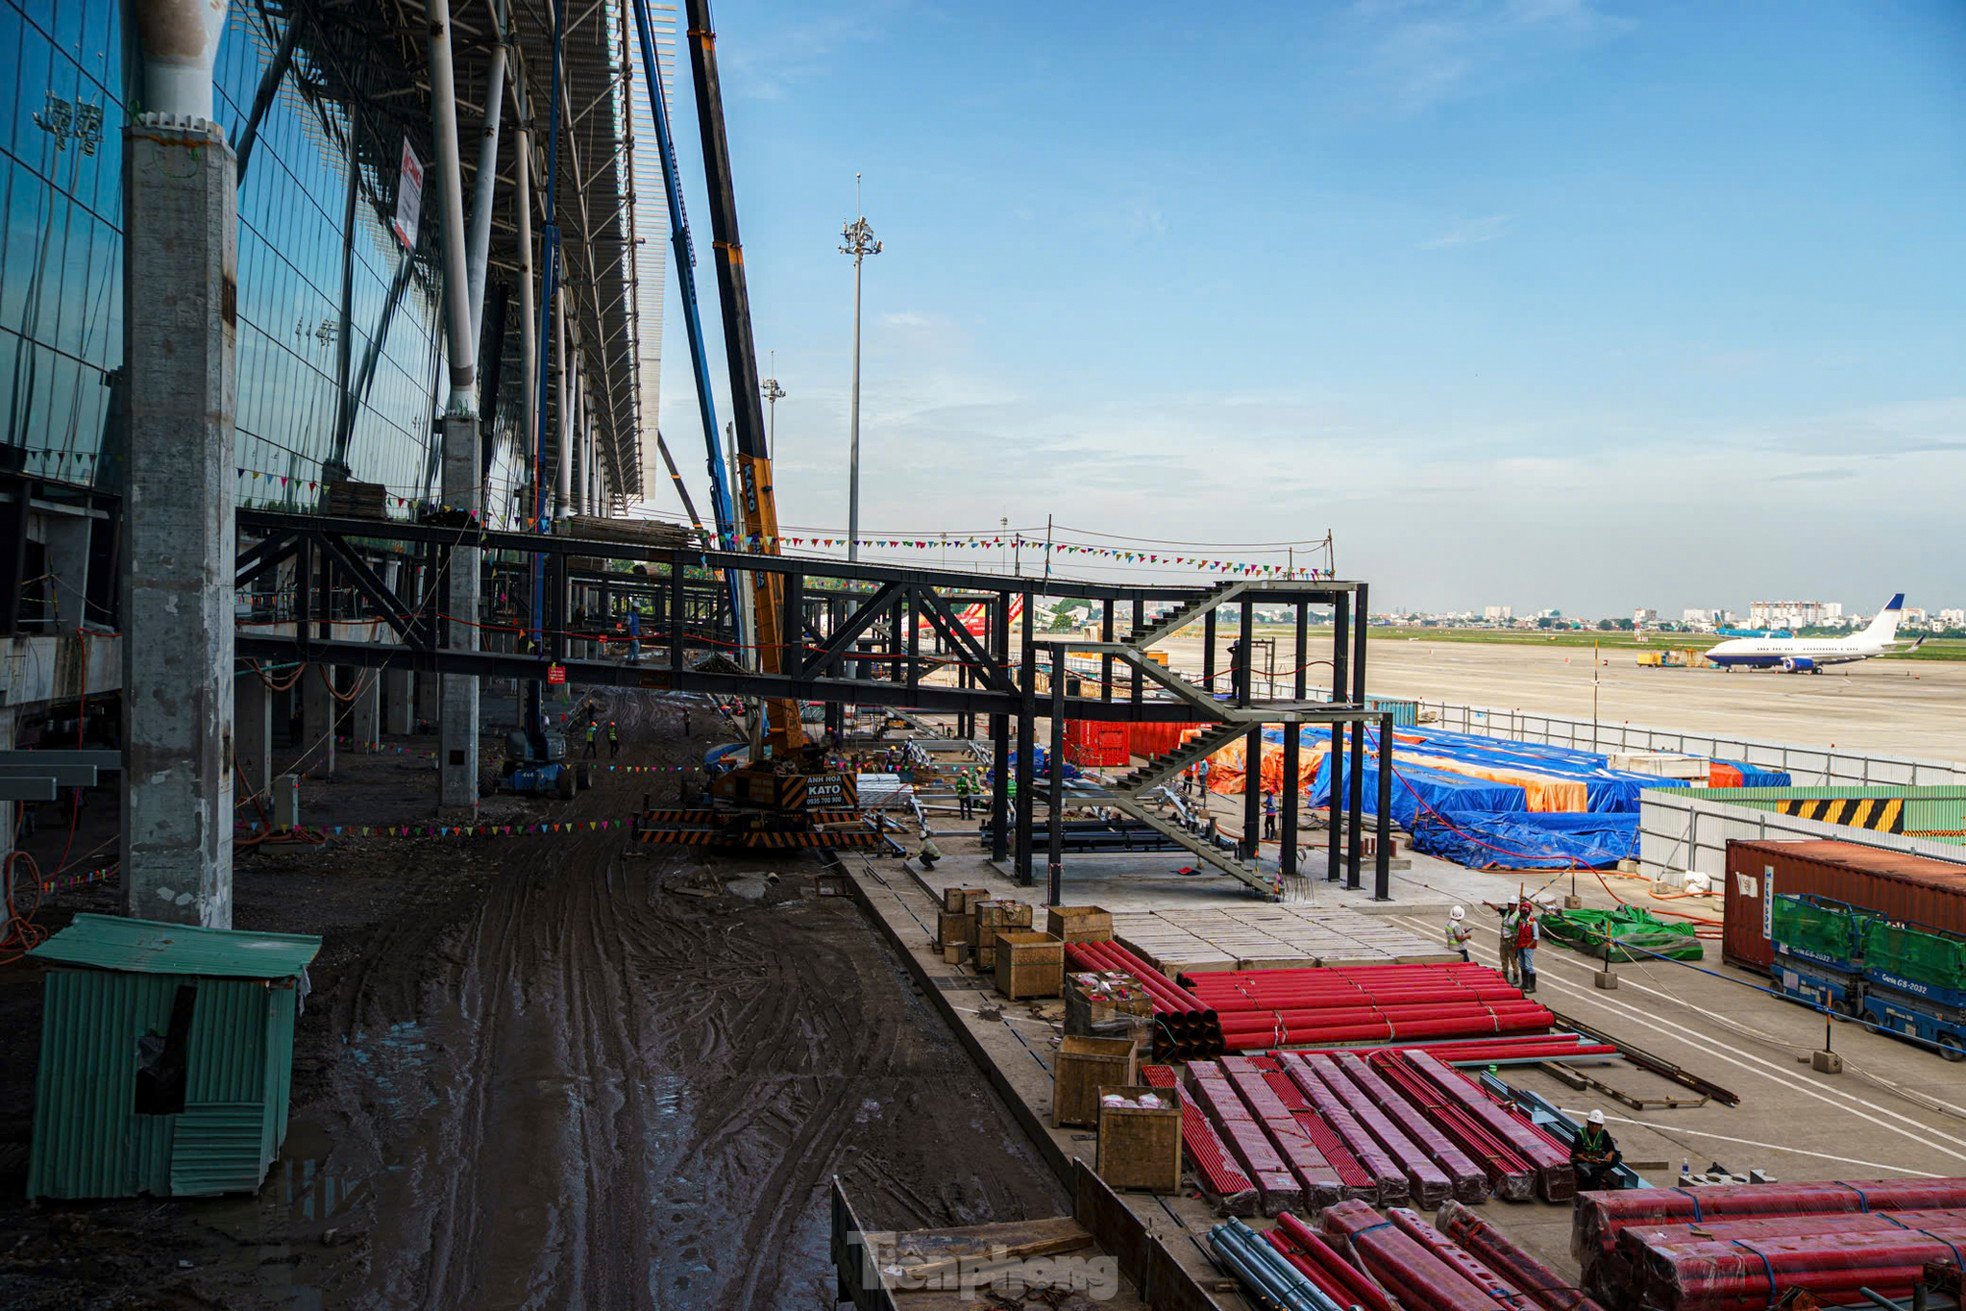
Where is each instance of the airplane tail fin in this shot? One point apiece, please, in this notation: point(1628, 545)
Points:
point(1885, 627)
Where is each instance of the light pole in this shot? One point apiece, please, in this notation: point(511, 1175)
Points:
point(857, 240)
point(773, 394)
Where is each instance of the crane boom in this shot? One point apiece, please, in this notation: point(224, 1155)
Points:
point(758, 509)
point(685, 254)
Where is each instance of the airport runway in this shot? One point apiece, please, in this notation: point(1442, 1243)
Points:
point(1884, 707)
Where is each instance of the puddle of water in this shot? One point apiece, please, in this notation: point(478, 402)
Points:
point(307, 1184)
point(394, 1062)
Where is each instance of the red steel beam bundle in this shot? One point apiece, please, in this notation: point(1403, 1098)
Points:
point(1425, 1182)
point(1354, 1179)
point(1502, 1254)
point(1341, 1281)
point(1750, 1274)
point(1322, 1184)
point(1276, 1187)
point(1511, 1177)
point(1233, 1192)
point(1402, 1265)
point(1469, 1181)
point(1599, 1216)
point(1472, 1268)
point(1388, 1180)
point(1192, 1028)
point(1556, 1179)
point(1503, 1047)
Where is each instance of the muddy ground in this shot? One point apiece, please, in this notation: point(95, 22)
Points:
point(555, 1071)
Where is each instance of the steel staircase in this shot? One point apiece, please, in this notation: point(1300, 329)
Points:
point(1177, 619)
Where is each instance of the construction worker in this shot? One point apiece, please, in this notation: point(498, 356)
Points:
point(1505, 937)
point(1527, 934)
point(1594, 1154)
point(1201, 777)
point(593, 730)
point(929, 852)
point(966, 794)
point(686, 722)
point(1458, 932)
point(614, 740)
point(1269, 814)
point(634, 637)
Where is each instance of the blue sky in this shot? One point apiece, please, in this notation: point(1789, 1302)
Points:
point(1542, 302)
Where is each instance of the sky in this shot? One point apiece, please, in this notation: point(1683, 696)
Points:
point(1565, 303)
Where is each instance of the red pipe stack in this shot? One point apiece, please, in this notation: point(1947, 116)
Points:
point(1365, 1003)
point(1184, 1027)
point(1341, 1281)
point(1407, 1268)
point(1723, 1249)
point(1500, 1253)
point(1518, 1157)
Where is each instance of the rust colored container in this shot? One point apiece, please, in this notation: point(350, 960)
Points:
point(1912, 889)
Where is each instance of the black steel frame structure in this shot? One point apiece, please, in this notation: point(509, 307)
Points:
point(869, 634)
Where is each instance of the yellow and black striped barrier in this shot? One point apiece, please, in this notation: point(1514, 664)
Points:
point(1878, 814)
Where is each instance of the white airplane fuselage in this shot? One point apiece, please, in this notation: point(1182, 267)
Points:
point(1807, 655)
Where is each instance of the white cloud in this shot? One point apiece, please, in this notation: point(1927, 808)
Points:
point(1472, 233)
point(1423, 53)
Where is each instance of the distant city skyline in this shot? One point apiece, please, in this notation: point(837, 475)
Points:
point(1559, 301)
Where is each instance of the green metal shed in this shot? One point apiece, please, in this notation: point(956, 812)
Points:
point(166, 1057)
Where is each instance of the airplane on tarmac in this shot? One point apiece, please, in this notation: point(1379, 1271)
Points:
point(1809, 655)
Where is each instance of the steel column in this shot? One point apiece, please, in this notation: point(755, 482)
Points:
point(1357, 698)
point(1341, 618)
point(1055, 855)
point(1026, 741)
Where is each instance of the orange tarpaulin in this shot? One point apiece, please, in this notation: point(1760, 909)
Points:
point(1540, 790)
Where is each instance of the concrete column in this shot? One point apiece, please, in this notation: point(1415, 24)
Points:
point(7, 820)
point(179, 540)
point(457, 717)
point(317, 726)
point(365, 713)
point(253, 732)
point(398, 702)
point(427, 697)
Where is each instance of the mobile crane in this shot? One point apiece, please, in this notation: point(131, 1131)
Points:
point(787, 794)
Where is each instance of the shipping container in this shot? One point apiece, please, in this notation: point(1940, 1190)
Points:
point(1907, 888)
point(1094, 744)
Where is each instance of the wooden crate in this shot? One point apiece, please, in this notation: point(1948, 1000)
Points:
point(960, 901)
point(1079, 923)
point(1111, 1004)
point(1084, 1066)
point(1028, 964)
point(1141, 1149)
point(992, 918)
point(953, 930)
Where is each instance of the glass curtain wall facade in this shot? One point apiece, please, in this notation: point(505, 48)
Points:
point(320, 385)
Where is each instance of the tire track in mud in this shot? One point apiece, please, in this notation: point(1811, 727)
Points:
point(636, 1098)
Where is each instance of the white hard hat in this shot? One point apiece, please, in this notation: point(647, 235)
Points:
point(1596, 1117)
point(1457, 913)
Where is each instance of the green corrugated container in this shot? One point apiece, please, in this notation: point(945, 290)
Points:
point(166, 1058)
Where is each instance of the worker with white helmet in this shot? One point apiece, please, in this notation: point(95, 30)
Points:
point(1458, 932)
point(1594, 1156)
